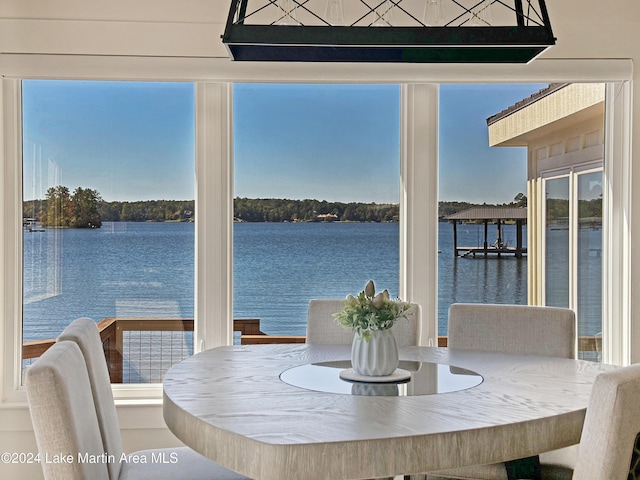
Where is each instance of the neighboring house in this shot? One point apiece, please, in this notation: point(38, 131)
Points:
point(563, 129)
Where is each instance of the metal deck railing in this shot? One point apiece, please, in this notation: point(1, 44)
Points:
point(141, 350)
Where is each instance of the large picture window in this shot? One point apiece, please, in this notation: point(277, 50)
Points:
point(478, 182)
point(108, 210)
point(316, 204)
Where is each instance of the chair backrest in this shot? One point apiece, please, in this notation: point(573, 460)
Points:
point(84, 332)
point(323, 329)
point(64, 416)
point(610, 445)
point(519, 329)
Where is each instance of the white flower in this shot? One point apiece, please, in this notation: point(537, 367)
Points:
point(369, 312)
point(378, 300)
point(370, 289)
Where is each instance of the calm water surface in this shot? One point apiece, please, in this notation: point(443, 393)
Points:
point(146, 270)
point(119, 270)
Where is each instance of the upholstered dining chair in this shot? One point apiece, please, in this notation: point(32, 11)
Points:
point(610, 443)
point(63, 414)
point(323, 329)
point(187, 464)
point(521, 329)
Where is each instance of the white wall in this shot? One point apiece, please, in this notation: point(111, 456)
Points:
point(585, 29)
point(94, 38)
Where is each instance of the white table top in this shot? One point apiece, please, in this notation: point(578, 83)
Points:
point(229, 404)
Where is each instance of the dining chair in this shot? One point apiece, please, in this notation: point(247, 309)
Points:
point(63, 414)
point(610, 441)
point(323, 329)
point(181, 463)
point(517, 329)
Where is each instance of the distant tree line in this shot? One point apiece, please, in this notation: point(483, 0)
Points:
point(148, 211)
point(449, 208)
point(281, 210)
point(86, 209)
point(284, 210)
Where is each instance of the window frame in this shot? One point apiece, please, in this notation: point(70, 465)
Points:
point(616, 243)
point(214, 190)
point(573, 174)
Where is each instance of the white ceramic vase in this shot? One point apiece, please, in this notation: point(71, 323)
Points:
point(376, 357)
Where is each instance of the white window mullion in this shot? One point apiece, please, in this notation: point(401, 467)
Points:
point(617, 338)
point(573, 242)
point(11, 240)
point(419, 204)
point(543, 241)
point(534, 230)
point(535, 241)
point(214, 216)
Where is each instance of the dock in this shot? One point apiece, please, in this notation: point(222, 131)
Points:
point(31, 225)
point(490, 250)
point(499, 215)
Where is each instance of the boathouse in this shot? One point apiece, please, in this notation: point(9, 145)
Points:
point(499, 215)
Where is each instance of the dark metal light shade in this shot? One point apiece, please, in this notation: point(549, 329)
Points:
point(456, 40)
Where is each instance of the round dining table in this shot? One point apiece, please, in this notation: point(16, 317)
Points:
point(277, 412)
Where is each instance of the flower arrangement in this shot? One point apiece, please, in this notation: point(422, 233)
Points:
point(369, 312)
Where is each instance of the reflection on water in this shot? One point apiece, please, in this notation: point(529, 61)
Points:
point(119, 270)
point(139, 269)
point(147, 269)
point(278, 268)
point(478, 280)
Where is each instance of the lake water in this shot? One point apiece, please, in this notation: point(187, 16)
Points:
point(146, 270)
point(119, 270)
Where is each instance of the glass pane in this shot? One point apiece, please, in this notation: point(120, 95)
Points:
point(316, 175)
point(108, 203)
point(474, 176)
point(557, 242)
point(590, 260)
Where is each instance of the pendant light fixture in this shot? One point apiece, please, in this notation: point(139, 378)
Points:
point(401, 31)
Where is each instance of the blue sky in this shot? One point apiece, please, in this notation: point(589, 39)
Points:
point(135, 141)
point(129, 141)
point(331, 142)
point(469, 169)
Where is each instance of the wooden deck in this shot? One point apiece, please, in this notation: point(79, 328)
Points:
point(111, 332)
